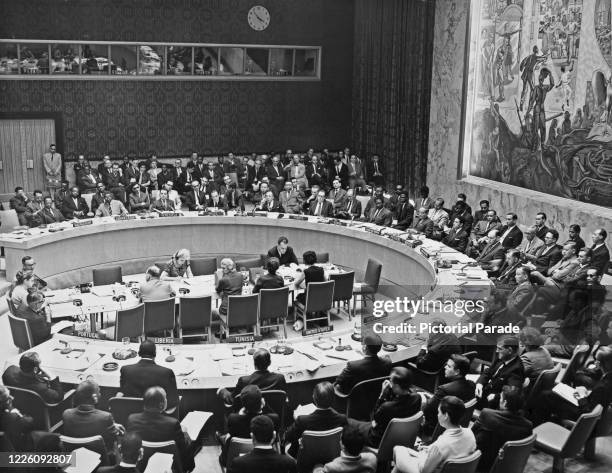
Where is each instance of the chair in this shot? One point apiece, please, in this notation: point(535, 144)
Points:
point(513, 456)
point(562, 443)
point(242, 311)
point(104, 276)
point(343, 289)
point(195, 317)
point(149, 448)
point(122, 407)
point(249, 263)
point(368, 288)
point(544, 382)
point(318, 447)
point(255, 274)
point(603, 428)
point(130, 322)
point(8, 220)
point(273, 307)
point(362, 398)
point(203, 266)
point(30, 402)
point(237, 446)
point(319, 298)
point(427, 380)
point(159, 316)
point(398, 432)
point(20, 330)
point(577, 361)
point(462, 465)
point(277, 400)
point(95, 444)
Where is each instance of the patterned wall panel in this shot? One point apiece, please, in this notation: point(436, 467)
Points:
point(174, 117)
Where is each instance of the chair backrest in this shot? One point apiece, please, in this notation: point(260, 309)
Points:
point(512, 456)
point(362, 398)
point(255, 274)
point(470, 355)
point(580, 432)
point(237, 446)
point(276, 399)
point(203, 266)
point(8, 220)
point(273, 303)
point(318, 447)
point(319, 296)
point(469, 412)
point(195, 312)
point(159, 315)
point(462, 465)
point(249, 263)
point(104, 276)
point(95, 444)
point(122, 407)
point(30, 403)
point(149, 448)
point(20, 329)
point(322, 257)
point(604, 426)
point(242, 311)
point(343, 289)
point(579, 357)
point(399, 432)
point(10, 303)
point(544, 382)
point(130, 322)
point(372, 274)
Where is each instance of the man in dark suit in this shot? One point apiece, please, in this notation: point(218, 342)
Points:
point(131, 452)
point(369, 367)
point(351, 209)
point(457, 237)
point(234, 198)
point(269, 203)
point(138, 377)
point(375, 172)
point(315, 173)
point(179, 176)
point(113, 180)
point(455, 369)
point(98, 197)
point(540, 225)
point(154, 425)
point(194, 198)
point(482, 213)
point(493, 428)
point(85, 420)
point(339, 170)
point(601, 254)
point(551, 254)
point(87, 179)
point(440, 346)
point(507, 271)
point(261, 378)
point(461, 209)
point(404, 211)
point(48, 214)
point(74, 206)
point(320, 207)
point(510, 234)
point(29, 375)
point(199, 169)
point(276, 174)
point(217, 201)
point(283, 252)
point(423, 223)
point(163, 204)
point(380, 215)
point(323, 418)
point(508, 369)
point(262, 458)
point(130, 173)
point(493, 254)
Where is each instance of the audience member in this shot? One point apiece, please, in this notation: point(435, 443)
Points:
point(15, 425)
point(535, 357)
point(540, 225)
point(34, 208)
point(482, 213)
point(574, 236)
point(320, 207)
point(19, 202)
point(49, 215)
point(601, 254)
point(531, 246)
point(493, 254)
point(352, 458)
point(440, 346)
point(130, 453)
point(550, 254)
point(510, 234)
point(29, 375)
point(337, 195)
point(507, 369)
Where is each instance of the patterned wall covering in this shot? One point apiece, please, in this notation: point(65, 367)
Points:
point(174, 117)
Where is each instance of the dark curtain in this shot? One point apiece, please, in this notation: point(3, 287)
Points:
point(392, 86)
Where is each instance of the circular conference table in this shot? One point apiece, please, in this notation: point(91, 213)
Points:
point(66, 258)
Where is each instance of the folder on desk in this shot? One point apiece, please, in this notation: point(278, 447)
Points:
point(566, 392)
point(86, 461)
point(160, 463)
point(193, 423)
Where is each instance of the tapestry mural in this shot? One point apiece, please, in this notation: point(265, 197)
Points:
point(538, 109)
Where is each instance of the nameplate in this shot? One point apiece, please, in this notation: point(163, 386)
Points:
point(215, 212)
point(84, 334)
point(244, 338)
point(171, 214)
point(413, 243)
point(82, 223)
point(298, 217)
point(260, 214)
point(342, 223)
point(376, 231)
point(316, 330)
point(166, 340)
point(424, 252)
point(125, 217)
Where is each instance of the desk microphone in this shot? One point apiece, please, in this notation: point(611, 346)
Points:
point(462, 270)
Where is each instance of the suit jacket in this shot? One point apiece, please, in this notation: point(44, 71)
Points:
point(96, 201)
point(31, 214)
point(139, 202)
point(424, 225)
point(514, 237)
point(69, 207)
point(459, 387)
point(315, 174)
point(519, 298)
point(492, 251)
point(390, 408)
point(39, 327)
point(507, 273)
point(370, 169)
point(494, 428)
point(343, 174)
point(456, 239)
point(601, 259)
point(403, 213)
point(287, 258)
point(327, 209)
point(291, 201)
point(112, 180)
point(542, 231)
point(235, 201)
point(48, 216)
point(51, 391)
point(383, 218)
point(274, 206)
point(274, 173)
point(264, 460)
point(87, 421)
point(198, 171)
point(138, 377)
point(155, 290)
point(532, 247)
point(493, 378)
point(547, 258)
point(264, 380)
point(168, 206)
point(338, 196)
point(320, 419)
point(440, 347)
point(190, 199)
point(351, 208)
point(483, 227)
point(87, 182)
point(369, 367)
point(220, 204)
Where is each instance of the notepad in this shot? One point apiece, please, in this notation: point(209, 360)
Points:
point(160, 463)
point(86, 461)
point(305, 410)
point(566, 392)
point(193, 423)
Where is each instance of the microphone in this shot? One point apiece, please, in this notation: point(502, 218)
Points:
point(462, 271)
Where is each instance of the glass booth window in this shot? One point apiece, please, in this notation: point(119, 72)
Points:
point(206, 61)
point(124, 59)
point(232, 61)
point(94, 59)
point(34, 58)
point(9, 63)
point(256, 61)
point(179, 60)
point(305, 62)
point(281, 61)
point(64, 59)
point(150, 59)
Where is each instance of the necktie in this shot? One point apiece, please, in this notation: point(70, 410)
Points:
point(376, 167)
point(376, 214)
point(350, 206)
point(338, 169)
point(197, 200)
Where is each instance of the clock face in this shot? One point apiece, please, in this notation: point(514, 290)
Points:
point(259, 18)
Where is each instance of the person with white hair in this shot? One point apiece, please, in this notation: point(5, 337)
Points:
point(178, 267)
point(229, 285)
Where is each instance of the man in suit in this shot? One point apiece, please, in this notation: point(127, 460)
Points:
point(378, 192)
point(550, 254)
point(320, 207)
point(423, 223)
point(61, 194)
point(34, 207)
point(139, 201)
point(255, 172)
point(234, 198)
point(283, 252)
point(352, 458)
point(461, 209)
point(507, 271)
point(507, 369)
point(276, 174)
point(199, 170)
point(493, 254)
point(440, 346)
point(380, 215)
point(154, 425)
point(48, 214)
point(439, 216)
point(129, 172)
point(291, 199)
point(19, 202)
point(574, 235)
point(217, 201)
point(493, 428)
point(601, 254)
point(315, 173)
point(323, 418)
point(110, 206)
point(52, 163)
point(369, 367)
point(356, 173)
point(297, 170)
point(457, 237)
point(87, 180)
point(540, 225)
point(79, 166)
point(375, 172)
point(261, 377)
point(263, 457)
point(337, 195)
point(481, 229)
point(510, 234)
point(482, 213)
point(424, 200)
point(113, 180)
point(531, 246)
point(85, 420)
point(29, 375)
point(194, 198)
point(521, 295)
point(136, 378)
point(340, 171)
point(179, 176)
point(74, 206)
point(130, 450)
point(154, 289)
point(455, 369)
point(352, 207)
point(404, 211)
point(269, 203)
point(163, 204)
point(98, 197)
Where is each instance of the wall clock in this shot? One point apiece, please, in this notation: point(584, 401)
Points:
point(259, 18)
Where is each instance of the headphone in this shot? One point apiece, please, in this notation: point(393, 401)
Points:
point(176, 256)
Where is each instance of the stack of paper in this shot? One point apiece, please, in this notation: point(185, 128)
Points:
point(160, 463)
point(85, 461)
point(304, 410)
point(566, 392)
point(193, 423)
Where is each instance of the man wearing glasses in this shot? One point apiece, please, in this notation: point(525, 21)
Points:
point(28, 264)
point(139, 200)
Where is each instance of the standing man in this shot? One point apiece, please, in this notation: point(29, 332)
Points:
point(52, 161)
